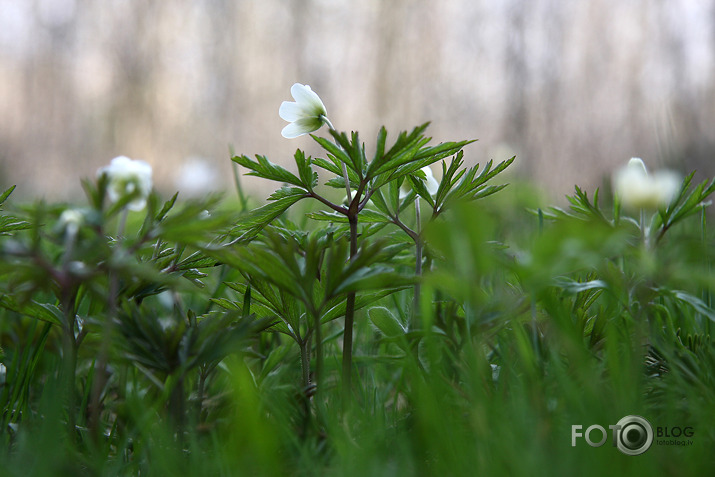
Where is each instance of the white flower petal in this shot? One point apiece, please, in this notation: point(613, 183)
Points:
point(300, 127)
point(290, 111)
point(137, 205)
point(637, 163)
point(292, 131)
point(308, 100)
point(668, 184)
point(432, 185)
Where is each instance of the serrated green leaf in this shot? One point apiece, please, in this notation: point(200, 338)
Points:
point(251, 224)
point(403, 145)
point(327, 165)
point(9, 223)
point(226, 304)
point(335, 150)
point(420, 188)
point(287, 192)
point(196, 260)
point(370, 216)
point(338, 182)
point(307, 176)
point(267, 170)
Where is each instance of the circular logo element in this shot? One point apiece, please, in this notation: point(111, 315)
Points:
point(634, 435)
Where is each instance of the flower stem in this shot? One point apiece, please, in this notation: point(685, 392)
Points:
point(644, 230)
point(418, 267)
point(318, 353)
point(122, 222)
point(349, 319)
point(69, 355)
point(304, 345)
point(350, 299)
point(304, 362)
point(101, 377)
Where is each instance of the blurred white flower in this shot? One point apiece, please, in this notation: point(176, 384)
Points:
point(196, 177)
point(305, 115)
point(128, 178)
point(71, 220)
point(430, 183)
point(347, 202)
point(639, 190)
point(496, 369)
point(347, 199)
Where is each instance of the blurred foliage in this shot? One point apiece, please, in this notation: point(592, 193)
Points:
point(201, 338)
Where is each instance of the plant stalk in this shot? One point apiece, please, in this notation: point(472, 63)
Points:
point(304, 345)
point(101, 368)
point(349, 319)
point(418, 268)
point(350, 300)
point(70, 369)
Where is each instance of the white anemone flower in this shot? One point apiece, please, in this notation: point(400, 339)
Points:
point(430, 183)
point(305, 115)
point(638, 190)
point(128, 178)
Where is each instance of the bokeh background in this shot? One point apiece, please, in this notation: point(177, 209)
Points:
point(573, 88)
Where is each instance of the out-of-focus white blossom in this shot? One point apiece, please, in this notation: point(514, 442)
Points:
point(128, 178)
point(430, 183)
point(305, 115)
point(196, 177)
point(347, 202)
point(71, 220)
point(639, 190)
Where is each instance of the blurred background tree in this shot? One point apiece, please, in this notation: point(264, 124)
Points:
point(573, 88)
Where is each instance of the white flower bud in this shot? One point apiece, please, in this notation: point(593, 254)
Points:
point(128, 178)
point(71, 220)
